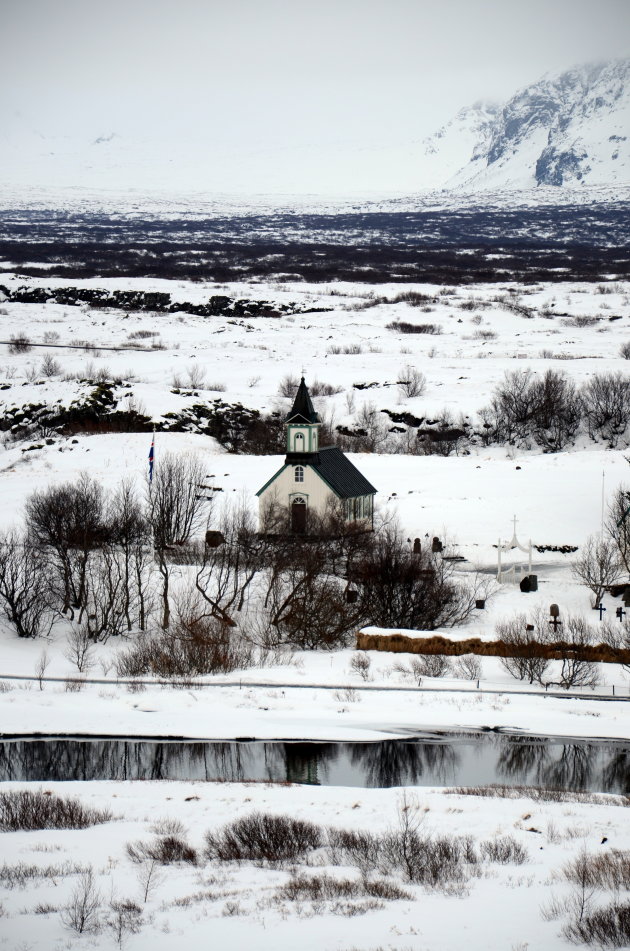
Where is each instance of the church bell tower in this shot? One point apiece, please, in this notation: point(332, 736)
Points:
point(302, 424)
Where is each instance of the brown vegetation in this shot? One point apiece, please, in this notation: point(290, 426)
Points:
point(554, 650)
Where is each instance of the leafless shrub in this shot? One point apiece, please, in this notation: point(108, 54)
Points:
point(609, 870)
point(326, 888)
point(624, 350)
point(361, 849)
point(351, 349)
point(260, 837)
point(21, 873)
point(575, 670)
point(538, 794)
point(23, 809)
point(468, 667)
point(73, 684)
point(82, 914)
point(597, 566)
point(80, 649)
point(606, 399)
point(25, 586)
point(360, 663)
point(196, 376)
point(50, 366)
point(579, 320)
point(317, 388)
point(523, 661)
point(165, 850)
point(191, 646)
point(50, 336)
point(43, 908)
point(411, 382)
point(125, 918)
point(288, 386)
point(605, 927)
point(404, 327)
point(19, 343)
point(431, 665)
point(168, 826)
point(149, 877)
point(505, 850)
point(41, 667)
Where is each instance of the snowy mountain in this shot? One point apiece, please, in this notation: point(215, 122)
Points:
point(568, 129)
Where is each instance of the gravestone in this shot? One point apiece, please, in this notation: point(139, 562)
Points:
point(416, 546)
point(525, 585)
point(436, 545)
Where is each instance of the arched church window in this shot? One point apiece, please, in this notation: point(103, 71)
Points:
point(299, 441)
point(299, 473)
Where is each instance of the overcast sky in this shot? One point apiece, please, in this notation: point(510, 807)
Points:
point(284, 73)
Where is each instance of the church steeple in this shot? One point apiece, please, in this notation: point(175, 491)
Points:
point(302, 411)
point(302, 424)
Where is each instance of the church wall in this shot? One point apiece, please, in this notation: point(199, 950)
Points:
point(313, 488)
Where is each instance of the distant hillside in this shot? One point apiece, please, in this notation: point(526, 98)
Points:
point(568, 129)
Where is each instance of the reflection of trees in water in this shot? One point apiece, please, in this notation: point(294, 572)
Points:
point(61, 759)
point(390, 763)
point(616, 773)
point(573, 769)
point(395, 763)
point(557, 766)
point(519, 757)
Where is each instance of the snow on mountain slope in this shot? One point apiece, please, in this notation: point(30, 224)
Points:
point(568, 129)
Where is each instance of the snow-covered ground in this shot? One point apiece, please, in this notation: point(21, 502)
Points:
point(470, 499)
point(237, 906)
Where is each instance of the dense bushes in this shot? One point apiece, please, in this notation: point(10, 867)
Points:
point(550, 410)
point(22, 809)
point(260, 837)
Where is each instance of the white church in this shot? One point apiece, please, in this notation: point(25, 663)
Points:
point(313, 479)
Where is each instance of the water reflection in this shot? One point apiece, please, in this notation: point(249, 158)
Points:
point(466, 760)
point(396, 763)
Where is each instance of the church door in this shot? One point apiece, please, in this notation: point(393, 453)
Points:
point(298, 516)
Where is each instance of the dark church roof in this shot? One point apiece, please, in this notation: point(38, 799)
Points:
point(302, 411)
point(340, 474)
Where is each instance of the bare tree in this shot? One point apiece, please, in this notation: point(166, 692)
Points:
point(618, 524)
point(175, 500)
point(411, 382)
point(417, 591)
point(82, 912)
point(131, 537)
point(526, 658)
point(41, 667)
point(175, 510)
point(607, 405)
point(24, 586)
point(125, 918)
point(597, 566)
point(70, 520)
point(576, 670)
point(80, 648)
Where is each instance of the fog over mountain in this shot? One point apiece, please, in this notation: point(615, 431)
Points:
point(566, 129)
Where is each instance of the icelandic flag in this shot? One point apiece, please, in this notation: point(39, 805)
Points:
point(151, 458)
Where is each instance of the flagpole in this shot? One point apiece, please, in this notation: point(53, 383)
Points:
point(151, 460)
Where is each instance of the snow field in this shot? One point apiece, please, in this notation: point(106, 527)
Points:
point(236, 906)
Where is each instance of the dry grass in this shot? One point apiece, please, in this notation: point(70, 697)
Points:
point(404, 644)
